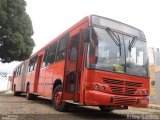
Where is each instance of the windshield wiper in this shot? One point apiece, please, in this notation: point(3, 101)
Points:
point(114, 38)
point(131, 43)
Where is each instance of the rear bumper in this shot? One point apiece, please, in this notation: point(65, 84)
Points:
point(93, 97)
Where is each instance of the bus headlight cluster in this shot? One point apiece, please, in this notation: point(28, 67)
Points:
point(100, 88)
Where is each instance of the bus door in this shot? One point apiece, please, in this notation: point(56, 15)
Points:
point(39, 61)
point(73, 67)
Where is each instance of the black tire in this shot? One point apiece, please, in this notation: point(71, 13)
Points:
point(34, 97)
point(29, 96)
point(104, 109)
point(15, 93)
point(59, 105)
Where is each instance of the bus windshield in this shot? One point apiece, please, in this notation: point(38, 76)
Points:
point(117, 52)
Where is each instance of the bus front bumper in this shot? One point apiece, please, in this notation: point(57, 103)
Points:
point(96, 98)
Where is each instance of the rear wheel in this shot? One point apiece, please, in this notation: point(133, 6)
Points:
point(57, 102)
point(29, 96)
point(105, 109)
point(15, 93)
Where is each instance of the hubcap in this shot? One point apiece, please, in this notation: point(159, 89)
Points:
point(58, 98)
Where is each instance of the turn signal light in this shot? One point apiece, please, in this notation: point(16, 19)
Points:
point(145, 92)
point(142, 92)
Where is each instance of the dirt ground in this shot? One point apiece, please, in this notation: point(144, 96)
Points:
point(19, 108)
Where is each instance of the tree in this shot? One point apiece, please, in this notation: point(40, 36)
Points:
point(16, 30)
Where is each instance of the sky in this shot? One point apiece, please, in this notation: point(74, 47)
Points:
point(51, 17)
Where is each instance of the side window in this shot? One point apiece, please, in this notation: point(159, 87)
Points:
point(73, 49)
point(22, 68)
point(93, 43)
point(51, 53)
point(82, 41)
point(18, 71)
point(62, 48)
point(29, 68)
point(32, 64)
point(45, 58)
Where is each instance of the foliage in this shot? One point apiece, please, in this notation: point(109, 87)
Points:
point(16, 30)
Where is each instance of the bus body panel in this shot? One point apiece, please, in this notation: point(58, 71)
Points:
point(41, 81)
point(18, 82)
point(95, 98)
point(32, 81)
point(49, 81)
point(54, 72)
point(118, 87)
point(28, 78)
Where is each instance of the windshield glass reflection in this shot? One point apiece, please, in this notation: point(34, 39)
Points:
point(122, 53)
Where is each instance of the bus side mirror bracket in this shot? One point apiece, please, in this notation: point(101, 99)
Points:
point(86, 35)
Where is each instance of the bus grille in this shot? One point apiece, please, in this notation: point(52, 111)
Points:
point(122, 87)
point(122, 100)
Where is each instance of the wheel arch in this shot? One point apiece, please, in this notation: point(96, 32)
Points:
point(56, 83)
point(14, 87)
point(27, 85)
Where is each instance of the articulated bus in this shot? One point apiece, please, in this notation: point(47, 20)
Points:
point(97, 62)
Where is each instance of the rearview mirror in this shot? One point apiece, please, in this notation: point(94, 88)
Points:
point(86, 35)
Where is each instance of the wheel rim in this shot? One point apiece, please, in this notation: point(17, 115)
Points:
point(58, 98)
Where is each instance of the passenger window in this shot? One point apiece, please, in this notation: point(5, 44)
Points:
point(32, 64)
point(62, 48)
point(51, 53)
point(45, 58)
point(73, 55)
point(74, 47)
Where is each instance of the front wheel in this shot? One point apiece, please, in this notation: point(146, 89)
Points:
point(104, 109)
point(57, 101)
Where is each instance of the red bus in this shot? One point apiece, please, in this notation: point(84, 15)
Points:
point(97, 62)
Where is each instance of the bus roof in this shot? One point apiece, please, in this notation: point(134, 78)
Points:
point(89, 18)
point(118, 26)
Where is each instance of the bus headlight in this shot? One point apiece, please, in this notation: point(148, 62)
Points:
point(102, 88)
point(96, 86)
